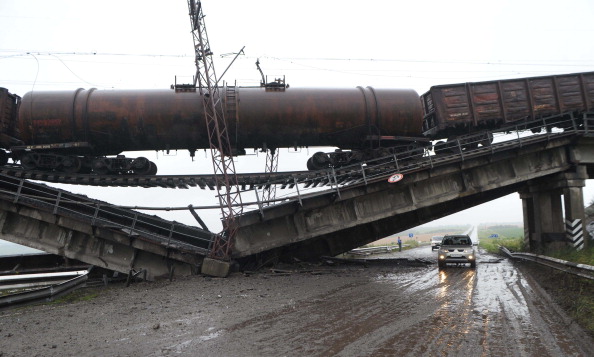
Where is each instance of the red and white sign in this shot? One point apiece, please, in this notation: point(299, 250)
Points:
point(395, 178)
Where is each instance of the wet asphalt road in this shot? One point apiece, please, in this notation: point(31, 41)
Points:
point(494, 310)
point(385, 310)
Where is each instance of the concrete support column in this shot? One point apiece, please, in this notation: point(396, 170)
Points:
point(529, 221)
point(548, 216)
point(546, 225)
point(543, 218)
point(575, 218)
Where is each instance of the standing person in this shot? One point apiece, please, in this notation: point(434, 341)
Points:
point(399, 244)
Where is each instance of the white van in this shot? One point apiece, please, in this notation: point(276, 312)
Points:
point(436, 242)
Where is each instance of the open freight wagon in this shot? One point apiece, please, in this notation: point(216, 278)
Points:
point(455, 109)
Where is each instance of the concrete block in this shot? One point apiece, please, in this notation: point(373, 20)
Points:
point(215, 267)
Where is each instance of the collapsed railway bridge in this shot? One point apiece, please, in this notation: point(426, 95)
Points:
point(358, 206)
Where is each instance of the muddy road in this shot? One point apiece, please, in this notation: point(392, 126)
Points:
point(495, 310)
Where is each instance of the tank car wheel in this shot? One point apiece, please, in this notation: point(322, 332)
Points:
point(99, 167)
point(321, 160)
point(28, 162)
point(141, 166)
point(318, 161)
point(140, 163)
point(153, 168)
point(71, 164)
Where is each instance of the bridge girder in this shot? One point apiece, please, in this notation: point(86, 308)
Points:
point(331, 224)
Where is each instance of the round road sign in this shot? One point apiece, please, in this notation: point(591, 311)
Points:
point(395, 178)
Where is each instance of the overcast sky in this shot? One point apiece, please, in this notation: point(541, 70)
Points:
point(119, 44)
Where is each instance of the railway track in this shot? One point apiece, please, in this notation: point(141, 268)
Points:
point(283, 180)
point(246, 180)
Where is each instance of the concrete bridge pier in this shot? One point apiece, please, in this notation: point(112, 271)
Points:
point(549, 224)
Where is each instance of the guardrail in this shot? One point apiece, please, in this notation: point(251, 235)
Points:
point(43, 294)
point(581, 270)
point(101, 214)
point(374, 250)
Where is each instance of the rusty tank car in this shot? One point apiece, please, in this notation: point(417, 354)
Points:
point(79, 130)
point(87, 130)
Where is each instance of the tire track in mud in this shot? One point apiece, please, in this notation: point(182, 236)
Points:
point(329, 322)
point(490, 311)
point(493, 310)
point(352, 320)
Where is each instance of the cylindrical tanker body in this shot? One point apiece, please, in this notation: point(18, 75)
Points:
point(324, 117)
point(113, 121)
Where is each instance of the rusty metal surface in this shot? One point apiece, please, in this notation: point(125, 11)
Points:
point(9, 104)
point(134, 120)
point(114, 121)
point(491, 104)
point(325, 117)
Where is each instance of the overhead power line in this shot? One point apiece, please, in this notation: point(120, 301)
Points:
point(530, 62)
point(20, 52)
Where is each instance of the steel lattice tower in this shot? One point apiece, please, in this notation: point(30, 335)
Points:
point(218, 136)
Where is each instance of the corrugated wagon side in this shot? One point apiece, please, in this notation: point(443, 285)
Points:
point(452, 110)
point(9, 133)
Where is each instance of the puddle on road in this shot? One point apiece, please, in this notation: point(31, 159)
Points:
point(210, 336)
point(410, 281)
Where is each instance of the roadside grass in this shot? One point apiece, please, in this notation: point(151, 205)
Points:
point(584, 308)
point(409, 244)
point(584, 256)
point(575, 295)
point(491, 245)
point(501, 231)
point(406, 244)
point(75, 296)
point(581, 303)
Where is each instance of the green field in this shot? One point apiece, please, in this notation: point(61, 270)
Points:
point(502, 231)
